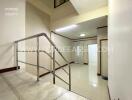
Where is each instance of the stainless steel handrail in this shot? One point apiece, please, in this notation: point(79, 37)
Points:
point(55, 47)
point(49, 56)
point(43, 34)
point(30, 37)
point(45, 69)
point(55, 61)
point(34, 65)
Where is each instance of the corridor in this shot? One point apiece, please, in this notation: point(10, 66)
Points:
point(85, 81)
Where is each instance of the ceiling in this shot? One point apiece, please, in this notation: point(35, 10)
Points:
point(83, 6)
point(49, 3)
point(89, 28)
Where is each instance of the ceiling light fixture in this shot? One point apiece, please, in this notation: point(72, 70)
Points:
point(82, 35)
point(66, 28)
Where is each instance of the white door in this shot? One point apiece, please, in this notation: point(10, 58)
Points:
point(92, 53)
point(92, 57)
point(104, 58)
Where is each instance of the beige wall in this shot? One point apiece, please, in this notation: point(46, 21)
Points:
point(65, 46)
point(84, 48)
point(102, 34)
point(42, 5)
point(39, 22)
point(12, 27)
point(120, 49)
point(63, 11)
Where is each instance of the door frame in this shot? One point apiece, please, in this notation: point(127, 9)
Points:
point(106, 78)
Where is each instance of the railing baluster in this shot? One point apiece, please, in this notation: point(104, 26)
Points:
point(37, 58)
point(54, 61)
point(16, 47)
point(69, 77)
point(53, 65)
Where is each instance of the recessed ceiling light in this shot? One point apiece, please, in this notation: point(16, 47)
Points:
point(66, 28)
point(82, 35)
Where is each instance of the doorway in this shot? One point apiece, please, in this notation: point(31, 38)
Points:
point(92, 67)
point(92, 54)
point(104, 58)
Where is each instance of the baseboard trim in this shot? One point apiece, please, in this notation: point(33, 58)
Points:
point(85, 63)
point(109, 93)
point(9, 69)
point(56, 69)
point(98, 74)
point(104, 77)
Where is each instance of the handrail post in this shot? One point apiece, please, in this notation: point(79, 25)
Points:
point(16, 47)
point(69, 76)
point(37, 58)
point(53, 65)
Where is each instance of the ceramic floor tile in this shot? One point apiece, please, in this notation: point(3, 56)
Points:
point(24, 87)
point(19, 85)
point(84, 81)
point(71, 96)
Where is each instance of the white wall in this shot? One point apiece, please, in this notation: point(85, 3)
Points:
point(120, 49)
point(12, 27)
point(83, 57)
point(78, 52)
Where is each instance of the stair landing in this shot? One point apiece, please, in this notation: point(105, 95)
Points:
point(19, 85)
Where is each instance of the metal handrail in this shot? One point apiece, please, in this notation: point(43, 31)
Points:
point(43, 34)
point(34, 65)
point(30, 37)
point(55, 48)
point(45, 69)
point(55, 61)
point(49, 56)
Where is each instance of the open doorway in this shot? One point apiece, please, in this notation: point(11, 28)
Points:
point(92, 66)
point(92, 54)
point(104, 58)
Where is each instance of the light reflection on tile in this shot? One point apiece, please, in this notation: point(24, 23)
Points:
point(84, 81)
point(71, 96)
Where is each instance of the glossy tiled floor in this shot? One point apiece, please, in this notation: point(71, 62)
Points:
point(85, 81)
point(19, 85)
